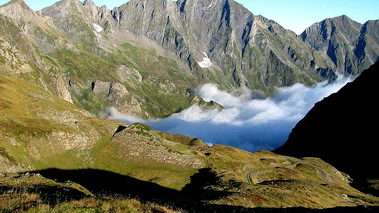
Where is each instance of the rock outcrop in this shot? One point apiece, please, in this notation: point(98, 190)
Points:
point(140, 142)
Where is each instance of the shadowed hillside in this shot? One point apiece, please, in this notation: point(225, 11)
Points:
point(342, 129)
point(101, 191)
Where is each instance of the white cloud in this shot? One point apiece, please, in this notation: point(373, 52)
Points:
point(246, 123)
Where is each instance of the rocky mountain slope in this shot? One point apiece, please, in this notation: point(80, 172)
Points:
point(63, 65)
point(143, 57)
point(351, 46)
point(227, 33)
point(330, 130)
point(34, 50)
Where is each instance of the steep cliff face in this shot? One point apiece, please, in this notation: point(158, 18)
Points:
point(351, 46)
point(244, 50)
point(24, 36)
point(341, 129)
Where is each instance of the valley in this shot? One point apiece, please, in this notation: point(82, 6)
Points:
point(65, 68)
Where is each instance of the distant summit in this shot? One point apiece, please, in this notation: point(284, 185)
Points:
point(351, 46)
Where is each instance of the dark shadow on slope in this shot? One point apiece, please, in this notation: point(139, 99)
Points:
point(101, 182)
point(120, 129)
point(342, 130)
point(56, 195)
point(205, 177)
point(239, 209)
point(190, 199)
point(104, 182)
point(195, 193)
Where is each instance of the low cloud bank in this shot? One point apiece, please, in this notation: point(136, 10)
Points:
point(246, 123)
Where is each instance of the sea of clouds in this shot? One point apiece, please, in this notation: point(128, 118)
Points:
point(245, 122)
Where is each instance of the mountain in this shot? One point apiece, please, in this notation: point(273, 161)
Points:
point(144, 57)
point(62, 66)
point(248, 52)
point(227, 33)
point(351, 46)
point(341, 129)
point(34, 50)
point(25, 35)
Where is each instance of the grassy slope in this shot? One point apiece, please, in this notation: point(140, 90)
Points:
point(264, 179)
point(32, 122)
point(40, 131)
point(34, 193)
point(157, 73)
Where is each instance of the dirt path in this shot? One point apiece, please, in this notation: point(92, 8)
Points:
point(253, 178)
point(324, 176)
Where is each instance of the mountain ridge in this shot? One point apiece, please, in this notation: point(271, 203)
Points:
point(345, 42)
point(244, 51)
point(177, 31)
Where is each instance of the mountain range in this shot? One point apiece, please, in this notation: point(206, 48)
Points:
point(63, 66)
point(99, 58)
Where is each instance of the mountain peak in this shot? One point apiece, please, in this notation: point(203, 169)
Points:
point(341, 39)
point(18, 11)
point(14, 3)
point(340, 18)
point(147, 2)
point(245, 50)
point(89, 3)
point(67, 7)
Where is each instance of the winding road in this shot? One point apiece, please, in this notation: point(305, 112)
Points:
point(253, 178)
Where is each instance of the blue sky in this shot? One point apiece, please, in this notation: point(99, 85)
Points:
point(295, 15)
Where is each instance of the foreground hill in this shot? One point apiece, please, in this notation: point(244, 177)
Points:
point(341, 129)
point(47, 136)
